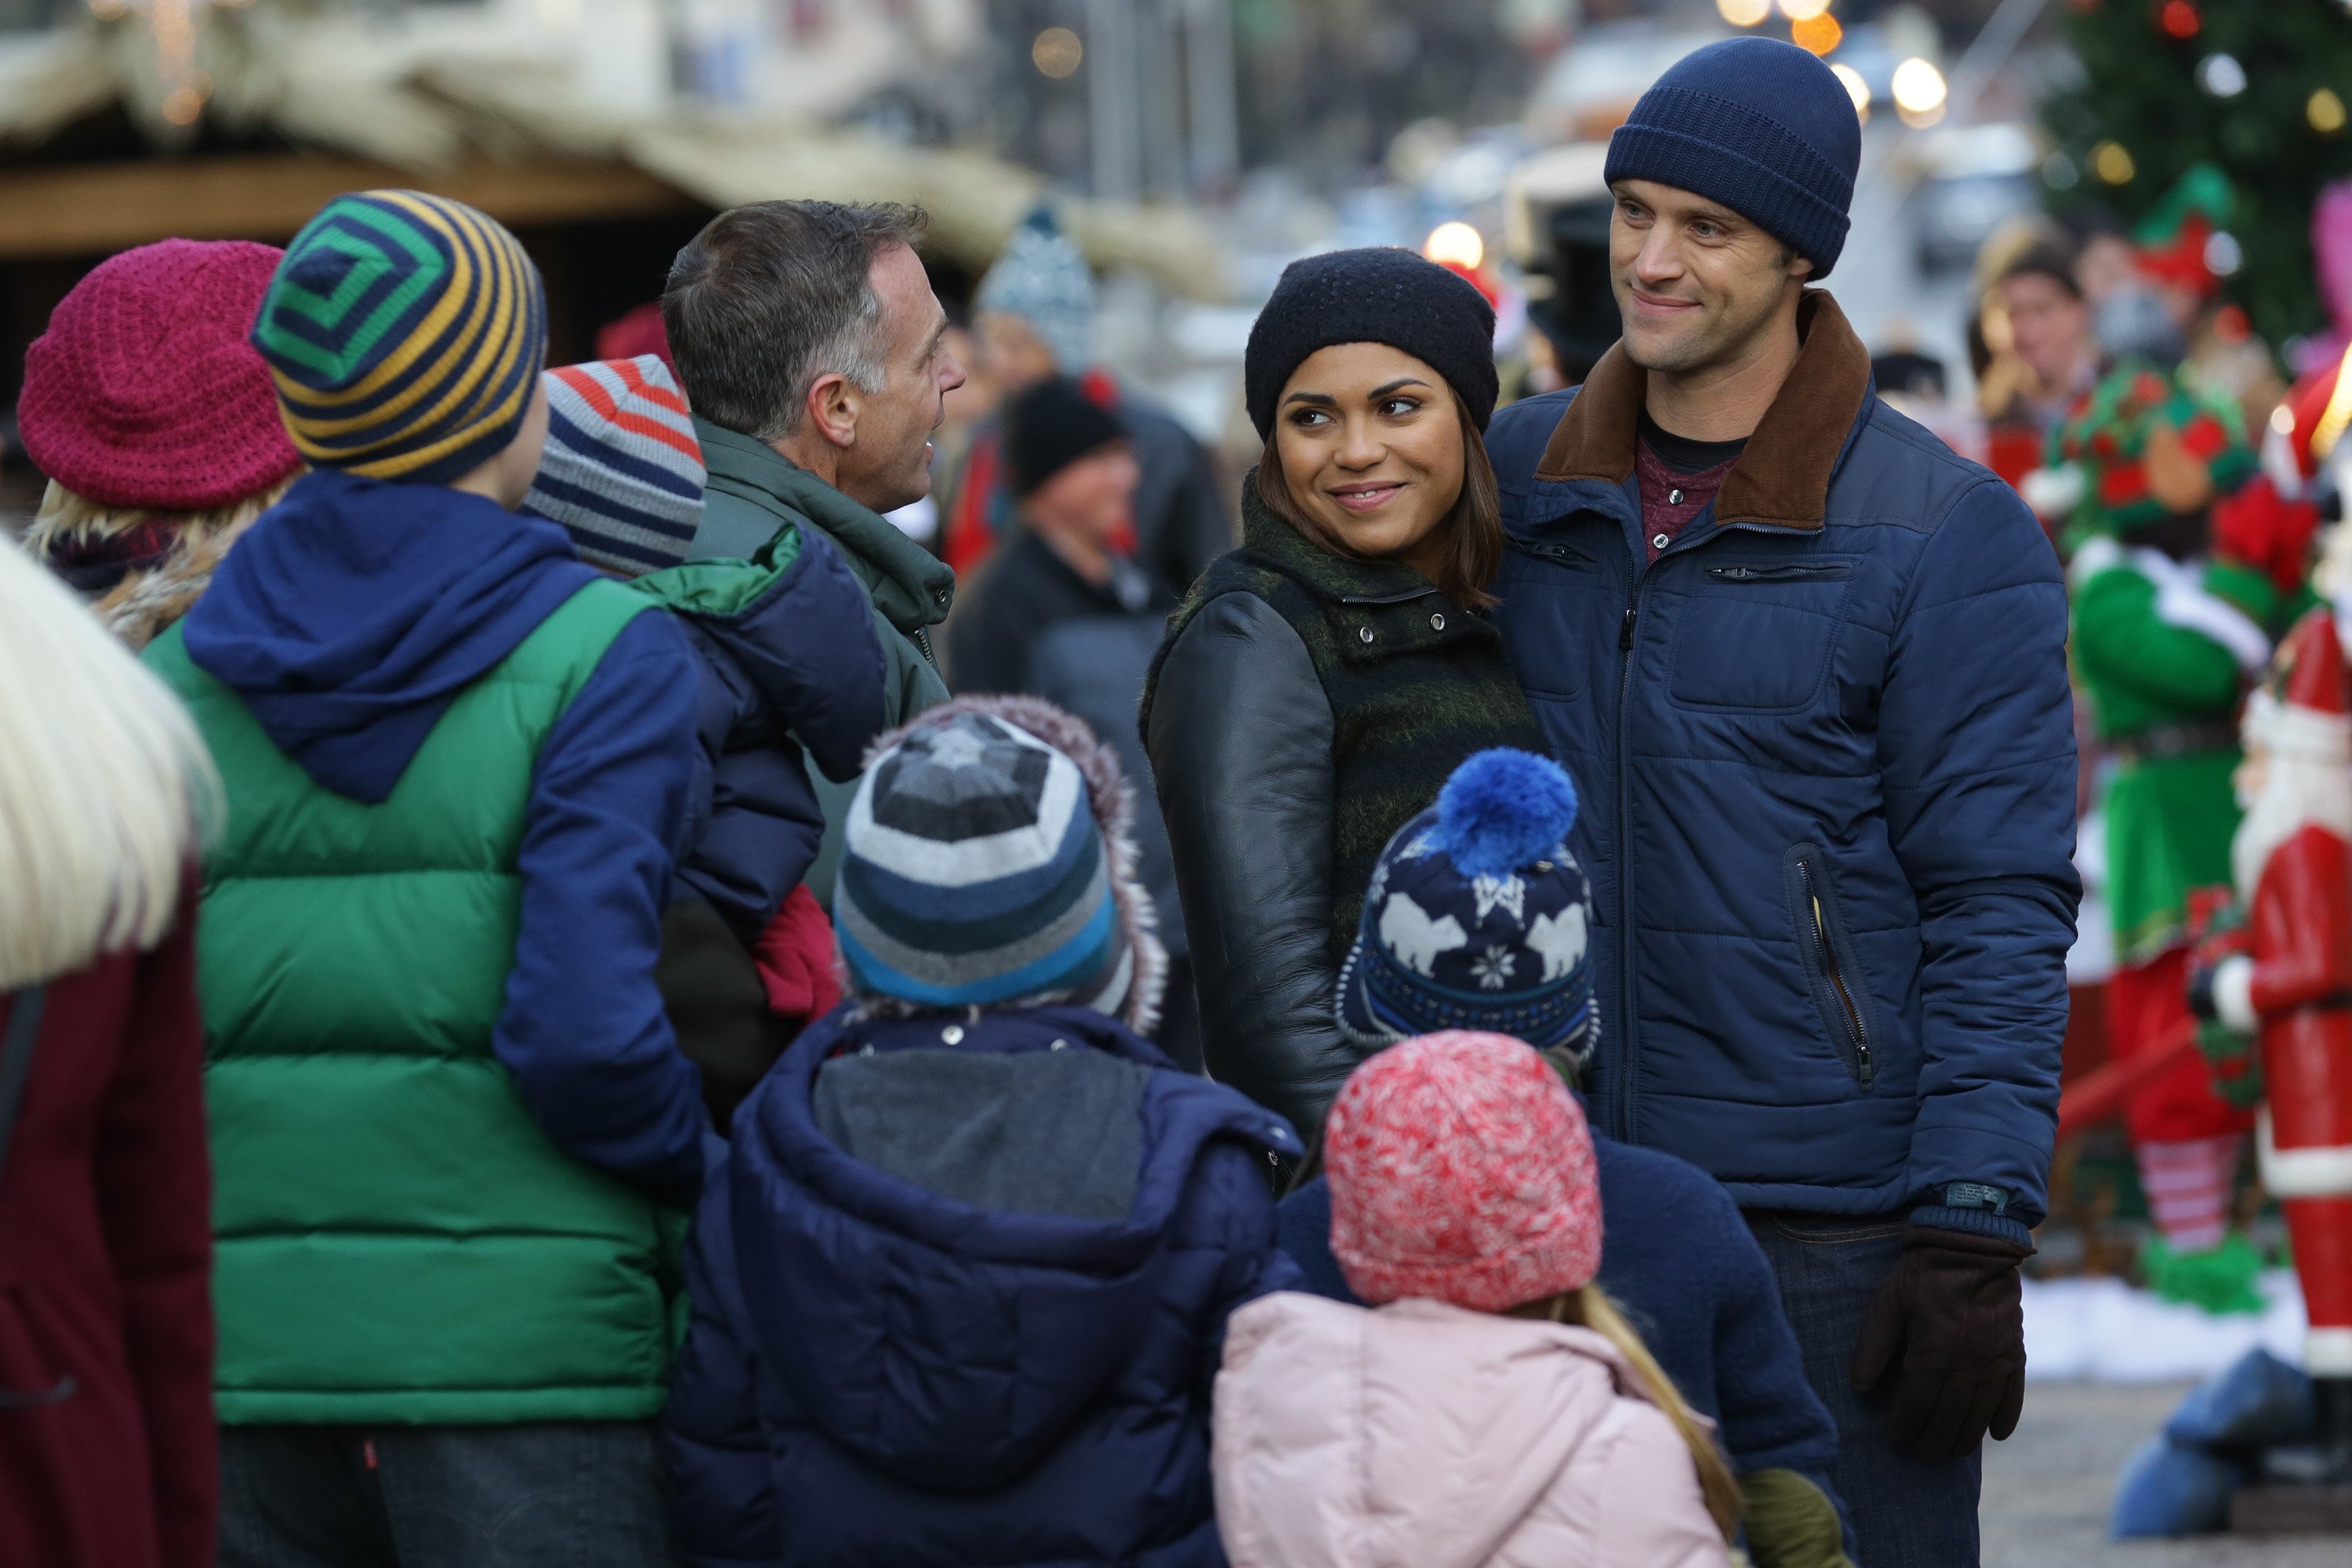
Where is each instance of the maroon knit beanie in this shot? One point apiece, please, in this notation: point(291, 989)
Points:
point(144, 392)
point(1462, 1171)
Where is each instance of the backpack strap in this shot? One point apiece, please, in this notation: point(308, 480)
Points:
point(25, 1012)
point(17, 1057)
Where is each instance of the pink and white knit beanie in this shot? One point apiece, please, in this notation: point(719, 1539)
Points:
point(1461, 1170)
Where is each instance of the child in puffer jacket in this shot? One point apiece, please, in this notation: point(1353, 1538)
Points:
point(1494, 1408)
point(789, 663)
point(960, 1280)
point(1477, 919)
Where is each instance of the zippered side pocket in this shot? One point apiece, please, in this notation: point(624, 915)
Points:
point(1832, 970)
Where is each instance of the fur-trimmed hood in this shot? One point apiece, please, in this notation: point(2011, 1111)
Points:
point(1112, 797)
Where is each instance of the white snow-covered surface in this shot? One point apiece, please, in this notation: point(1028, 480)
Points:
point(2104, 1331)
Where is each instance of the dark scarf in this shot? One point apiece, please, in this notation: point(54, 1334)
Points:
point(1416, 683)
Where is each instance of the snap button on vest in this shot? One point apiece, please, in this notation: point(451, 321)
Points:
point(1437, 623)
point(1365, 633)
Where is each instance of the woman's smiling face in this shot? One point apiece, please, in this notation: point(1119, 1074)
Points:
point(1370, 445)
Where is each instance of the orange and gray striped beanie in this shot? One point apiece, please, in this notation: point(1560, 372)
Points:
point(405, 334)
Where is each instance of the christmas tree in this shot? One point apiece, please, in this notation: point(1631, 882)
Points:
point(2260, 88)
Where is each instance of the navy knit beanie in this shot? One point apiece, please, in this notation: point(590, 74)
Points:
point(1761, 126)
point(1380, 294)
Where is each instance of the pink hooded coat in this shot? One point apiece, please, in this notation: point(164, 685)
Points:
point(1422, 1435)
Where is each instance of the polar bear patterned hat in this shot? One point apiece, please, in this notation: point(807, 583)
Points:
point(1478, 916)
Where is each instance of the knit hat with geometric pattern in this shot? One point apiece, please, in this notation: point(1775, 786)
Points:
point(405, 334)
point(988, 861)
point(621, 470)
point(1462, 1171)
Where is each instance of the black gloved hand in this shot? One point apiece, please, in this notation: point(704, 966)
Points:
point(1950, 1325)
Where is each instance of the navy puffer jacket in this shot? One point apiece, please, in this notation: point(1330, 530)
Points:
point(1825, 748)
point(878, 1372)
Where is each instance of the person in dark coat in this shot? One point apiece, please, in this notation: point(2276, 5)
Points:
point(1320, 682)
point(1034, 321)
point(107, 1441)
point(791, 679)
point(1810, 668)
point(959, 1284)
point(1063, 614)
point(1480, 919)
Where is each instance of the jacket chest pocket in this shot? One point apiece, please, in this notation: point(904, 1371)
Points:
point(1758, 637)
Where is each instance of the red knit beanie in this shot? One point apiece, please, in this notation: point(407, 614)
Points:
point(1461, 1170)
point(144, 392)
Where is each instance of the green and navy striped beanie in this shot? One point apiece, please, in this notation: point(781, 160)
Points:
point(405, 334)
point(974, 872)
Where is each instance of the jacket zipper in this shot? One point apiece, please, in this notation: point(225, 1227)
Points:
point(1857, 1037)
point(1625, 1056)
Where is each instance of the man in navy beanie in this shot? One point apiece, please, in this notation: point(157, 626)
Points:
point(1808, 668)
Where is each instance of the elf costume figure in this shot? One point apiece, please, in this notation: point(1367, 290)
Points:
point(2164, 639)
point(2291, 987)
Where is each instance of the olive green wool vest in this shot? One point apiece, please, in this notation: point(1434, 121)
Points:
point(397, 1240)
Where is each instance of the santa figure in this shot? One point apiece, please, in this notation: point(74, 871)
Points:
point(2292, 987)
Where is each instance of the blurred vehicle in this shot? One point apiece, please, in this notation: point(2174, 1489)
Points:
point(1973, 179)
point(1589, 88)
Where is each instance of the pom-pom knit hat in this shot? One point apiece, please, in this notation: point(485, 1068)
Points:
point(1462, 1171)
point(144, 392)
point(621, 470)
point(405, 334)
point(1759, 125)
point(1478, 917)
point(989, 862)
point(1380, 294)
point(1042, 277)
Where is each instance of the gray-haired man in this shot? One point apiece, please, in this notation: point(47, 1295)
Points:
point(811, 350)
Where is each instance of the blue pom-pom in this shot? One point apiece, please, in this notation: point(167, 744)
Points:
point(1504, 809)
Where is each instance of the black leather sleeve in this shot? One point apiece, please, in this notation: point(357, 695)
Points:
point(1241, 751)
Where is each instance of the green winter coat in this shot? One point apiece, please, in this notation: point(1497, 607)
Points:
point(753, 491)
point(397, 1241)
point(2166, 652)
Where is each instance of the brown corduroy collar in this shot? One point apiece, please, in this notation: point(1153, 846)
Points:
point(1782, 479)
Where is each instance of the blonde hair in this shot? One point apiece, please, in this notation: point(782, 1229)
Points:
point(106, 790)
point(147, 601)
point(1590, 1307)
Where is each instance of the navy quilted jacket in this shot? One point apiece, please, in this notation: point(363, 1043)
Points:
point(879, 1374)
point(1826, 754)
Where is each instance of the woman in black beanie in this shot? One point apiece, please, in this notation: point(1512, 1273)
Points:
point(1319, 683)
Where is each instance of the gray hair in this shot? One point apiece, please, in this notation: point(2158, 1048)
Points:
point(769, 297)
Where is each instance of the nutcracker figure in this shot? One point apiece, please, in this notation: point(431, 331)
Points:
point(2292, 986)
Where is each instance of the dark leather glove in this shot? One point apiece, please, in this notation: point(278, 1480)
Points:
point(1948, 1326)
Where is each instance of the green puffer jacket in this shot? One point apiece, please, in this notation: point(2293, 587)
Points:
point(397, 1241)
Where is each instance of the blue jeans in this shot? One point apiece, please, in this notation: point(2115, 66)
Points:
point(1906, 1512)
point(571, 1495)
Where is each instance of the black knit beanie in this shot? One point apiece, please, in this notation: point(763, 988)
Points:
point(1051, 426)
point(1378, 295)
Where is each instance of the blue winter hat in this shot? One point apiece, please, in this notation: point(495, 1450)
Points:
point(987, 862)
point(1042, 277)
point(1478, 917)
point(1761, 126)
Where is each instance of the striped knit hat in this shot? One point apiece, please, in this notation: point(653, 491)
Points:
point(405, 334)
point(621, 470)
point(988, 862)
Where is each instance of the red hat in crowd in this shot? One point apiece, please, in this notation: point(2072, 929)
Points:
point(1461, 1170)
point(144, 392)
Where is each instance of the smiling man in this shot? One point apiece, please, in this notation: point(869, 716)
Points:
point(1809, 670)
